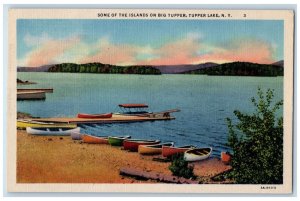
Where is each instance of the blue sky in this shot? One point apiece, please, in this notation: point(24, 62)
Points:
point(153, 42)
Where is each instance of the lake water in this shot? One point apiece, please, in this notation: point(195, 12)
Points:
point(204, 101)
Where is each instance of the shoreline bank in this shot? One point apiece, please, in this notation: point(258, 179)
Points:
point(55, 159)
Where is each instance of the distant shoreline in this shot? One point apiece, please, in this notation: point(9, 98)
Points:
point(21, 82)
point(226, 69)
point(185, 74)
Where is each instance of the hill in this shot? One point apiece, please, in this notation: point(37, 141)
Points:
point(103, 68)
point(177, 69)
point(34, 69)
point(164, 69)
point(279, 63)
point(241, 69)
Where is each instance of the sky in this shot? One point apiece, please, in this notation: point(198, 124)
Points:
point(147, 42)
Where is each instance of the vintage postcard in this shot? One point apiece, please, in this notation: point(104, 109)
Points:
point(141, 100)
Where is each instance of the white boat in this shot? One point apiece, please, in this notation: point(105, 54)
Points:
point(52, 131)
point(197, 154)
point(34, 122)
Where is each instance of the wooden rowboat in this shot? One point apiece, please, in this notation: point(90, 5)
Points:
point(94, 116)
point(22, 124)
point(133, 145)
point(117, 141)
point(52, 131)
point(197, 154)
point(153, 149)
point(90, 139)
point(76, 136)
point(168, 151)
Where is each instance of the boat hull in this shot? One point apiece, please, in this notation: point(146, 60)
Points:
point(47, 90)
point(152, 149)
point(76, 136)
point(170, 151)
point(52, 131)
point(94, 116)
point(194, 155)
point(134, 145)
point(35, 95)
point(94, 139)
point(149, 151)
point(34, 124)
point(117, 141)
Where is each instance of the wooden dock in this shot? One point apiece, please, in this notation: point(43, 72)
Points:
point(47, 90)
point(116, 118)
point(31, 95)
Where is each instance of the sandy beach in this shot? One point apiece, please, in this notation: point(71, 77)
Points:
point(44, 159)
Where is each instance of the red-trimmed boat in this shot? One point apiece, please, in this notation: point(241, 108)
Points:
point(133, 105)
point(90, 139)
point(168, 151)
point(153, 149)
point(134, 109)
point(133, 145)
point(141, 110)
point(94, 116)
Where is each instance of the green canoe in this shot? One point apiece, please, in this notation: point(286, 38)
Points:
point(117, 141)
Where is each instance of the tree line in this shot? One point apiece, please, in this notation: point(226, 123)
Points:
point(241, 69)
point(103, 68)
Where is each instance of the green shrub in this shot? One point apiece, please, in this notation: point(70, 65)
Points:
point(257, 143)
point(179, 167)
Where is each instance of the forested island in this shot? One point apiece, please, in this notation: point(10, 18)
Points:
point(225, 69)
point(103, 68)
point(21, 82)
point(241, 69)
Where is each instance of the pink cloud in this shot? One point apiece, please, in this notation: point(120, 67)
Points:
point(109, 53)
point(178, 52)
point(186, 52)
point(242, 50)
point(47, 52)
point(181, 51)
